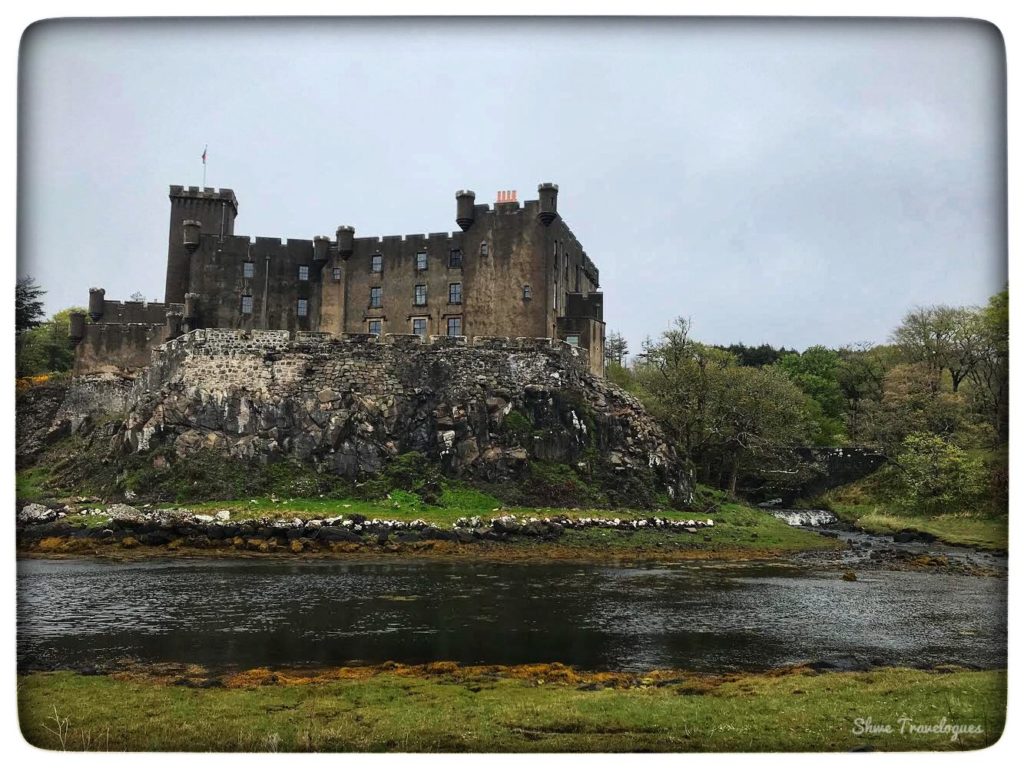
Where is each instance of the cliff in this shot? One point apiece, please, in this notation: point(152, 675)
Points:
point(492, 411)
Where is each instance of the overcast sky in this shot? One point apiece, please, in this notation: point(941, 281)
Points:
point(786, 182)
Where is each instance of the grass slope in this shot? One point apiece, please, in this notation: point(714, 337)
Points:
point(982, 532)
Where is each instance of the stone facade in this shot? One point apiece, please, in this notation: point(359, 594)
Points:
point(350, 404)
point(514, 270)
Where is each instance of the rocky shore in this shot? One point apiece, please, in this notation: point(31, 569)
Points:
point(42, 528)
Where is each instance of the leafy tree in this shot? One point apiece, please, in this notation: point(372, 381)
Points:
point(815, 373)
point(861, 375)
point(937, 476)
point(943, 338)
point(761, 415)
point(726, 418)
point(46, 348)
point(28, 308)
point(990, 377)
point(913, 401)
point(615, 348)
point(757, 357)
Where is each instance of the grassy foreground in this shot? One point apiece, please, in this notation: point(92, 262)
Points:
point(983, 532)
point(447, 708)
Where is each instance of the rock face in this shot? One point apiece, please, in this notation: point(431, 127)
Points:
point(350, 405)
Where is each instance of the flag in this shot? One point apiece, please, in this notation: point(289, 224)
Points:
point(204, 155)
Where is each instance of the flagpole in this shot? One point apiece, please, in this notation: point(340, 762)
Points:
point(204, 166)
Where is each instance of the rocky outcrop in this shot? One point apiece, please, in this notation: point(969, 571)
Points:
point(484, 410)
point(35, 417)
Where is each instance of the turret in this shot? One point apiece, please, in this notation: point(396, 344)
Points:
point(191, 306)
point(191, 230)
point(320, 246)
point(464, 213)
point(96, 297)
point(76, 327)
point(174, 321)
point(346, 240)
point(548, 202)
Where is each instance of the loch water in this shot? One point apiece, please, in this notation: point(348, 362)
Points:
point(711, 617)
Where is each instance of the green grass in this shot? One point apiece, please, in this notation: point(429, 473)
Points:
point(737, 527)
point(397, 712)
point(981, 531)
point(33, 484)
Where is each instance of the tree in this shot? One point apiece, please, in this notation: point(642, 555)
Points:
point(814, 372)
point(913, 401)
point(28, 308)
point(726, 418)
point(937, 476)
point(762, 415)
point(943, 338)
point(46, 348)
point(757, 357)
point(990, 377)
point(615, 349)
point(861, 374)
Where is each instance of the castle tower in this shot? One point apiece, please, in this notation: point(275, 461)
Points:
point(195, 211)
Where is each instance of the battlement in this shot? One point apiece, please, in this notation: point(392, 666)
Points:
point(204, 193)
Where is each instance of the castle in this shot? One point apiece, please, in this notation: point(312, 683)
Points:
point(515, 270)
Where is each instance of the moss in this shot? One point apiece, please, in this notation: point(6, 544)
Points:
point(518, 425)
point(411, 472)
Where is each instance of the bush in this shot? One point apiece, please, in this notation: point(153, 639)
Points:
point(937, 476)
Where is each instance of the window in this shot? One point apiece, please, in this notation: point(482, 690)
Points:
point(375, 294)
point(527, 293)
point(483, 248)
point(420, 296)
point(455, 293)
point(376, 263)
point(336, 273)
point(302, 308)
point(303, 272)
point(574, 340)
point(419, 326)
point(246, 305)
point(374, 327)
point(248, 269)
point(455, 258)
point(454, 326)
point(421, 261)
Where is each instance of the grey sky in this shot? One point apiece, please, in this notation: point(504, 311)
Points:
point(787, 182)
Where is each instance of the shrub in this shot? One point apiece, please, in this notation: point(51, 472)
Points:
point(937, 476)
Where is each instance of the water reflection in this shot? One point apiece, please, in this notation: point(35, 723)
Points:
point(252, 613)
